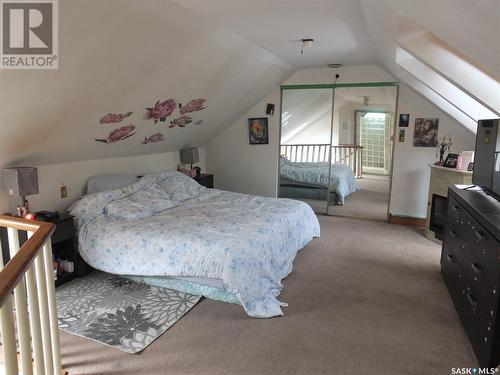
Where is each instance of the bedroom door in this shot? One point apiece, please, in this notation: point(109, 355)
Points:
point(305, 144)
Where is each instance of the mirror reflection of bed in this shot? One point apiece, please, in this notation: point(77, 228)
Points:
point(338, 161)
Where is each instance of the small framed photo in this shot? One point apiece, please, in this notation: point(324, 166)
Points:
point(451, 161)
point(404, 120)
point(258, 131)
point(470, 167)
point(270, 109)
point(401, 135)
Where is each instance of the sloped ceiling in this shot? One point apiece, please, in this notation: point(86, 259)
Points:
point(120, 56)
point(470, 26)
point(125, 55)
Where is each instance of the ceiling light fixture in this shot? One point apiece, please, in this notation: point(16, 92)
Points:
point(306, 43)
point(334, 66)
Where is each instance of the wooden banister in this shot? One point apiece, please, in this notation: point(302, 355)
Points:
point(15, 269)
point(345, 154)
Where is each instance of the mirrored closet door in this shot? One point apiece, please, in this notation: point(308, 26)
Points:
point(306, 134)
point(336, 148)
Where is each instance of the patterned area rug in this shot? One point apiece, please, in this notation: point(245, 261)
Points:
point(118, 312)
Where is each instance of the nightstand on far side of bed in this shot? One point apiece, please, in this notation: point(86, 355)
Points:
point(205, 179)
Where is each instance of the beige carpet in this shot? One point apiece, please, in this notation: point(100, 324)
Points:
point(369, 203)
point(365, 298)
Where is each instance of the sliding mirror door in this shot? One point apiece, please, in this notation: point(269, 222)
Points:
point(363, 124)
point(306, 133)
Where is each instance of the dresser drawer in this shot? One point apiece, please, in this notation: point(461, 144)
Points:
point(481, 279)
point(457, 215)
point(454, 236)
point(452, 274)
point(483, 244)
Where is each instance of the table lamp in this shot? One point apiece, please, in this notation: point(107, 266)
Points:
point(190, 155)
point(20, 181)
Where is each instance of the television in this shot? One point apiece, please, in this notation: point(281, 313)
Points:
point(486, 172)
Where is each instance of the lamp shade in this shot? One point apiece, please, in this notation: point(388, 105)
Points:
point(190, 155)
point(20, 181)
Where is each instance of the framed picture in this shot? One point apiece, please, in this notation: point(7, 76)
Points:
point(470, 167)
point(270, 109)
point(401, 135)
point(258, 131)
point(451, 161)
point(404, 120)
point(426, 132)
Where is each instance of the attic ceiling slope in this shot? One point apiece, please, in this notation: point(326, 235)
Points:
point(122, 56)
point(337, 27)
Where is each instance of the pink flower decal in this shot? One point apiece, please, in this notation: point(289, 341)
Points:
point(181, 122)
point(160, 111)
point(192, 106)
point(119, 134)
point(111, 118)
point(157, 137)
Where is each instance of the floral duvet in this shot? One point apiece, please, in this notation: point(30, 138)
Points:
point(167, 225)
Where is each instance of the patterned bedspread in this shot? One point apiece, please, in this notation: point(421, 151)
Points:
point(168, 225)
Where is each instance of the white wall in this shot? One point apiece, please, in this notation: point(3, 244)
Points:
point(241, 167)
point(74, 176)
point(411, 174)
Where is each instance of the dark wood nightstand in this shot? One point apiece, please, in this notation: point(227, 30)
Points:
point(206, 180)
point(64, 247)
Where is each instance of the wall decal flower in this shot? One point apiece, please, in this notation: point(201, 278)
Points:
point(180, 122)
point(119, 134)
point(157, 137)
point(160, 111)
point(111, 118)
point(192, 106)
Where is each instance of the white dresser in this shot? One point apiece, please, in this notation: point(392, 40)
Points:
point(441, 178)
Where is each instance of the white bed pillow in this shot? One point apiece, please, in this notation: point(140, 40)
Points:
point(96, 184)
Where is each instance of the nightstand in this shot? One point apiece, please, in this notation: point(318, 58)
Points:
point(64, 247)
point(206, 180)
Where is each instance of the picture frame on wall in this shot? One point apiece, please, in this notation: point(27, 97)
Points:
point(270, 109)
point(258, 133)
point(426, 132)
point(404, 120)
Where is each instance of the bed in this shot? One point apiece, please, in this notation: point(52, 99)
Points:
point(168, 230)
point(310, 180)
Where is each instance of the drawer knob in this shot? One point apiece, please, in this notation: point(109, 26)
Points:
point(479, 235)
point(476, 268)
point(471, 300)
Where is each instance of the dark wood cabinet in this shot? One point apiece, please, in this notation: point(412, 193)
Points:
point(470, 266)
point(206, 180)
point(64, 247)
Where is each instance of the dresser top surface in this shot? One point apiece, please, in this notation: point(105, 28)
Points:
point(486, 208)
